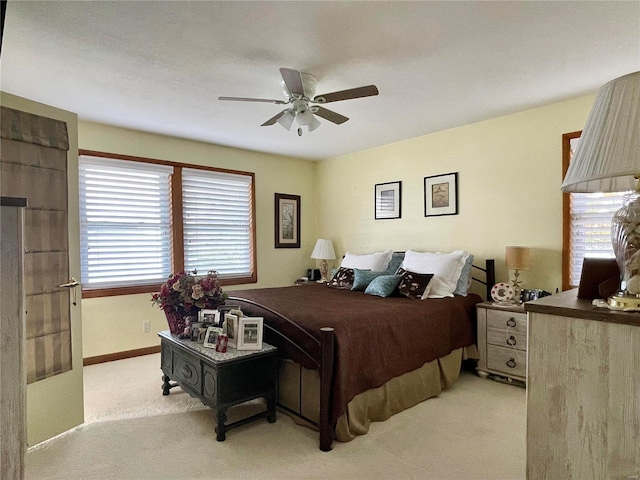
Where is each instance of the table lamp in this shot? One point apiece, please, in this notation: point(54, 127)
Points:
point(516, 259)
point(608, 160)
point(323, 251)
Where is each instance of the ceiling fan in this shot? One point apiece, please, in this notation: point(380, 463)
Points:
point(300, 88)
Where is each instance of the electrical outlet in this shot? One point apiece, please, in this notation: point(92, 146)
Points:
point(146, 326)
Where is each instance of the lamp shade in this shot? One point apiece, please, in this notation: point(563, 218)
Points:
point(608, 155)
point(315, 123)
point(286, 119)
point(323, 250)
point(304, 116)
point(518, 258)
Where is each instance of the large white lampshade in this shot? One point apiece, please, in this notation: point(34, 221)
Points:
point(608, 160)
point(608, 155)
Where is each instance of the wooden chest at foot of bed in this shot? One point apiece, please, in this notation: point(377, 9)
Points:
point(220, 380)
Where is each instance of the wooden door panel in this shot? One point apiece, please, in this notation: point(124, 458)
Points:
point(38, 172)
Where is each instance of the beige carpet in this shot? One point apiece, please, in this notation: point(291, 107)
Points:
point(476, 430)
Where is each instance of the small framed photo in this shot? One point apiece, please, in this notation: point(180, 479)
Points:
point(249, 333)
point(201, 333)
point(224, 309)
point(441, 195)
point(231, 329)
point(195, 326)
point(287, 221)
point(388, 202)
point(209, 316)
point(211, 337)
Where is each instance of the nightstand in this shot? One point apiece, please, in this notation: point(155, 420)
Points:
point(502, 342)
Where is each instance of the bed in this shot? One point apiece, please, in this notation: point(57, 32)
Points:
point(349, 358)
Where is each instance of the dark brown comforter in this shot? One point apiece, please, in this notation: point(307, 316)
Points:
point(376, 338)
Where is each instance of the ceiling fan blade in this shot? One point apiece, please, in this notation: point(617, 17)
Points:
point(244, 99)
point(359, 92)
point(274, 119)
point(329, 115)
point(293, 81)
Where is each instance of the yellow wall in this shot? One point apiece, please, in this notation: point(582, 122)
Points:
point(509, 177)
point(56, 404)
point(114, 324)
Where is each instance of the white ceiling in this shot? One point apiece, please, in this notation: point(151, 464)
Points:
point(160, 66)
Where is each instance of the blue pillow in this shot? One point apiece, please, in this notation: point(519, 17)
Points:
point(362, 278)
point(394, 264)
point(383, 285)
point(465, 276)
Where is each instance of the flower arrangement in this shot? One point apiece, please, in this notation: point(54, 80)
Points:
point(186, 293)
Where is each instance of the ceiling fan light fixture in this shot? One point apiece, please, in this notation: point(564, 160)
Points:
point(304, 116)
point(315, 123)
point(299, 88)
point(286, 119)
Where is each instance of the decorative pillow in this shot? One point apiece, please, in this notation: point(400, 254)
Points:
point(342, 279)
point(383, 285)
point(362, 278)
point(445, 267)
point(394, 264)
point(464, 282)
point(376, 262)
point(414, 285)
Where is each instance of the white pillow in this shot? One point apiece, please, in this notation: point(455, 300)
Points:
point(446, 268)
point(376, 262)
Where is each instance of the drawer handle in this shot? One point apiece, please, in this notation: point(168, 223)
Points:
point(511, 322)
point(511, 363)
point(511, 341)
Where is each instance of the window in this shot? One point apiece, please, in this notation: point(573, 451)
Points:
point(141, 220)
point(125, 223)
point(587, 222)
point(217, 222)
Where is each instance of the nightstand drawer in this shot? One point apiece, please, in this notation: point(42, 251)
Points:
point(507, 338)
point(516, 322)
point(507, 360)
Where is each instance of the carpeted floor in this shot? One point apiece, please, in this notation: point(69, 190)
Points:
point(476, 430)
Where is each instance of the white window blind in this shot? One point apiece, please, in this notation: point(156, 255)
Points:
point(217, 222)
point(591, 215)
point(125, 222)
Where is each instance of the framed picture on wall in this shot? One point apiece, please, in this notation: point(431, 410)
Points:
point(287, 220)
point(441, 195)
point(388, 200)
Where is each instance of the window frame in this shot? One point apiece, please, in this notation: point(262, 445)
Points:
point(566, 212)
point(177, 240)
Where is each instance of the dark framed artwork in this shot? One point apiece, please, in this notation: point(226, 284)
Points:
point(441, 195)
point(287, 221)
point(388, 201)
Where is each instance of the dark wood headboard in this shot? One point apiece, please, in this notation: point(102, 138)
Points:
point(489, 276)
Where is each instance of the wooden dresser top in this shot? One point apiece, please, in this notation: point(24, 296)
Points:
point(567, 304)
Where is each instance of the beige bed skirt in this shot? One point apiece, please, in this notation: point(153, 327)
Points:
point(300, 387)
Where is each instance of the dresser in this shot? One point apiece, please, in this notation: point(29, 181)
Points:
point(502, 342)
point(583, 390)
point(13, 376)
